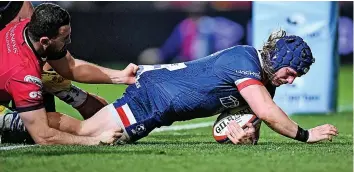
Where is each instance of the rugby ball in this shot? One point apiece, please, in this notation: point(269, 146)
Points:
point(242, 115)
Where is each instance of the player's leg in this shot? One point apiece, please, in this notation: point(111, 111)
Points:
point(103, 120)
point(13, 130)
point(92, 105)
point(100, 122)
point(125, 114)
point(118, 115)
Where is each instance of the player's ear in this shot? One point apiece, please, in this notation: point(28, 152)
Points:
point(44, 41)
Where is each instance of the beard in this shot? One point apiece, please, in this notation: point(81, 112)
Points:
point(52, 52)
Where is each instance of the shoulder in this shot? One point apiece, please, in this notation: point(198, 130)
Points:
point(12, 34)
point(239, 56)
point(17, 26)
point(238, 63)
point(242, 50)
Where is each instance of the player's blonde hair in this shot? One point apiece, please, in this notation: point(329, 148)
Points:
point(268, 50)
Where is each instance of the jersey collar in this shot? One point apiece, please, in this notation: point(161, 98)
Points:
point(29, 43)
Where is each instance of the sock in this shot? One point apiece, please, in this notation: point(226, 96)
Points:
point(74, 96)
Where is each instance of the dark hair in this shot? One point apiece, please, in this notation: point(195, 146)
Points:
point(46, 21)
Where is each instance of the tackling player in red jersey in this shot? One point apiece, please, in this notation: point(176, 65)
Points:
point(26, 46)
point(54, 84)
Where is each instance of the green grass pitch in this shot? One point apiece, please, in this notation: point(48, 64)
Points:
point(195, 150)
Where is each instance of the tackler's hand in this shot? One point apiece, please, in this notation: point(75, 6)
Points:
point(127, 76)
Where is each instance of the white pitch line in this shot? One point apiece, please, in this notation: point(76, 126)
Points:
point(5, 148)
point(184, 127)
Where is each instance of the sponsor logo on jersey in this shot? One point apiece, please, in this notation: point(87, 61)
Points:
point(230, 101)
point(34, 80)
point(11, 44)
point(138, 129)
point(249, 73)
point(35, 94)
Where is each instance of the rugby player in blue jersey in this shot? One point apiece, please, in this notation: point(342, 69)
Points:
point(205, 87)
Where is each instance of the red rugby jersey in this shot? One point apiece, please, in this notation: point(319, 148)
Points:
point(20, 69)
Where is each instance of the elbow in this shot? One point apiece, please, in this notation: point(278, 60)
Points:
point(266, 114)
point(42, 142)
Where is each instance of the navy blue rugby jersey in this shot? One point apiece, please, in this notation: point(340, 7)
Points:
point(199, 88)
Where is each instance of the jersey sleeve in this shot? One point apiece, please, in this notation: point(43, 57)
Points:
point(26, 90)
point(239, 65)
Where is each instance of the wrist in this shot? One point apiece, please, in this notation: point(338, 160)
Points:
point(116, 77)
point(302, 135)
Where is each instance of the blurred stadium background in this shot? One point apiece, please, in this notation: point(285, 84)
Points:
point(114, 34)
point(118, 32)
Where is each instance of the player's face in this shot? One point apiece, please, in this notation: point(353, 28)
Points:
point(59, 42)
point(285, 75)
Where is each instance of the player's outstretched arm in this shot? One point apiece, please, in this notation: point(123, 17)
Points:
point(264, 107)
point(36, 123)
point(85, 72)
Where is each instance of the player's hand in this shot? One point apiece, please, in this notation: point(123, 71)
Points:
point(128, 74)
point(322, 132)
point(109, 137)
point(239, 136)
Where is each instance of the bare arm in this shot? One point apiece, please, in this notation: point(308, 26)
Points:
point(36, 123)
point(264, 107)
point(85, 72)
point(64, 123)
